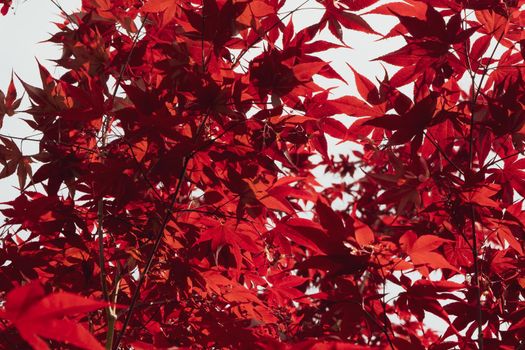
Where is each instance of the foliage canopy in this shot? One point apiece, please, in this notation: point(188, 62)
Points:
point(173, 202)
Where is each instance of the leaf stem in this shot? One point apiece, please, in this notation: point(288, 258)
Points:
point(438, 148)
point(112, 317)
point(475, 251)
point(386, 322)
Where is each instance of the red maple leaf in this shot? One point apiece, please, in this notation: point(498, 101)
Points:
point(37, 315)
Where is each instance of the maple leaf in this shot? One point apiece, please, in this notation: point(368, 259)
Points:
point(432, 26)
point(512, 174)
point(37, 315)
point(423, 295)
point(6, 4)
point(421, 251)
point(366, 88)
point(330, 220)
point(353, 106)
point(336, 17)
point(283, 288)
point(410, 124)
point(257, 9)
point(493, 22)
point(482, 196)
point(169, 8)
point(13, 160)
point(363, 234)
point(236, 237)
point(8, 102)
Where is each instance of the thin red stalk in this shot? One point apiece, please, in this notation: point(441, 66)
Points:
point(502, 159)
point(438, 148)
point(475, 252)
point(110, 312)
point(158, 239)
point(386, 321)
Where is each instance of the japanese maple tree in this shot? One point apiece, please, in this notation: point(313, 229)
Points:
point(179, 195)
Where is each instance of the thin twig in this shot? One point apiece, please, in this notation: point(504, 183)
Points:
point(120, 77)
point(438, 148)
point(386, 321)
point(68, 16)
point(110, 311)
point(158, 239)
point(475, 252)
point(259, 37)
point(496, 161)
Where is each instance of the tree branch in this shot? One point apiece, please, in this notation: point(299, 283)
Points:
point(110, 311)
point(475, 252)
point(158, 239)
